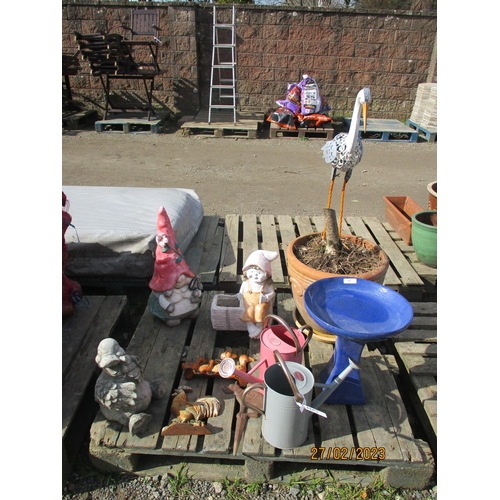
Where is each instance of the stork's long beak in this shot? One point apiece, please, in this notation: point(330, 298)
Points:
point(365, 116)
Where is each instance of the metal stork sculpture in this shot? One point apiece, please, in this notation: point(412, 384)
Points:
point(345, 151)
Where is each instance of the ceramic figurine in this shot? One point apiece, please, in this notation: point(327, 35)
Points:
point(176, 290)
point(257, 290)
point(121, 391)
point(71, 290)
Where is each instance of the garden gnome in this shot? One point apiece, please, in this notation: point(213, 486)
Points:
point(120, 390)
point(176, 290)
point(257, 290)
point(71, 290)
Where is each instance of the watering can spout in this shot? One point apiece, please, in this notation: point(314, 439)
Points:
point(329, 389)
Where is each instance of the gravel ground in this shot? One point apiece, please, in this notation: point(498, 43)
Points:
point(88, 483)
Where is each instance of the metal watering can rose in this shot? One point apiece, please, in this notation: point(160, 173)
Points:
point(288, 404)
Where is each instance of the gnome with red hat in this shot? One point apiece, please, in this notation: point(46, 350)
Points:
point(176, 290)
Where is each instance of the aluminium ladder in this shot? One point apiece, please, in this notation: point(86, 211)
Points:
point(223, 93)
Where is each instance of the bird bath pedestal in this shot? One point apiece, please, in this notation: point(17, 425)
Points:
point(357, 311)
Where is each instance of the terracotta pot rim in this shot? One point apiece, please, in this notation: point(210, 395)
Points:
point(430, 188)
point(384, 260)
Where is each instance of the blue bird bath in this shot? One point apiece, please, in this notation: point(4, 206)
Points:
point(357, 311)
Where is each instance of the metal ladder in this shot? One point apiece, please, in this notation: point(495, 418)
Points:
point(223, 93)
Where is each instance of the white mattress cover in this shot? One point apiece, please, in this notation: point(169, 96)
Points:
point(115, 227)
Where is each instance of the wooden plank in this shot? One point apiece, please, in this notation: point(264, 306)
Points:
point(407, 274)
point(250, 241)
point(270, 242)
point(141, 344)
point(325, 132)
point(426, 387)
point(220, 441)
point(410, 335)
point(359, 228)
point(424, 308)
point(202, 344)
point(229, 255)
point(417, 349)
point(163, 363)
point(286, 229)
point(335, 429)
point(204, 252)
point(418, 365)
point(304, 225)
point(430, 408)
point(412, 452)
point(374, 426)
point(104, 314)
point(74, 330)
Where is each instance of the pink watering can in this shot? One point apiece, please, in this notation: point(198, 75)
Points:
point(289, 342)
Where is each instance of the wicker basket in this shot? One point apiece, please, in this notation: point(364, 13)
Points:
point(225, 313)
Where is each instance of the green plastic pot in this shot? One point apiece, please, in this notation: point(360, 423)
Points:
point(424, 236)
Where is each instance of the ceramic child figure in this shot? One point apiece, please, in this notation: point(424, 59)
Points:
point(257, 290)
point(176, 290)
point(120, 390)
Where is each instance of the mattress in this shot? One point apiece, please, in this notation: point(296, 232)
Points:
point(114, 228)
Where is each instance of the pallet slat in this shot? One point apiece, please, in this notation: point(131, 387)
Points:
point(222, 124)
point(325, 132)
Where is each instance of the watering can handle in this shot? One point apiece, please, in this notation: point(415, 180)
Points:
point(245, 393)
point(290, 331)
point(296, 394)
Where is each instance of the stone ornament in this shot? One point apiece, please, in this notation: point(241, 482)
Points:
point(121, 391)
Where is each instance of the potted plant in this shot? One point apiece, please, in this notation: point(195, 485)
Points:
point(424, 236)
point(432, 189)
point(317, 256)
point(302, 271)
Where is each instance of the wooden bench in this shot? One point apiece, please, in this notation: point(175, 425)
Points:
point(81, 334)
point(112, 57)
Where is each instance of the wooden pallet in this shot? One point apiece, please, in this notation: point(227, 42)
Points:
point(81, 333)
point(428, 133)
point(427, 274)
point(78, 119)
point(416, 351)
point(324, 132)
point(222, 124)
point(245, 233)
point(385, 130)
point(381, 424)
point(130, 123)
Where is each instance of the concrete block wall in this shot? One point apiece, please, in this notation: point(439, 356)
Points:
point(343, 50)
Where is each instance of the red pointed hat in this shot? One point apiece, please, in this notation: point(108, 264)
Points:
point(169, 261)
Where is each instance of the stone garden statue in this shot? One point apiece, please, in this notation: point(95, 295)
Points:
point(121, 391)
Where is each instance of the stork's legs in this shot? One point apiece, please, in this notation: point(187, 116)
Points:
point(332, 182)
point(342, 203)
point(347, 176)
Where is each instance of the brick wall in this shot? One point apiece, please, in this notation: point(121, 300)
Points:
point(343, 50)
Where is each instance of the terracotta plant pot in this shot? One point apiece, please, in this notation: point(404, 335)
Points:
point(398, 212)
point(301, 275)
point(424, 236)
point(432, 189)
